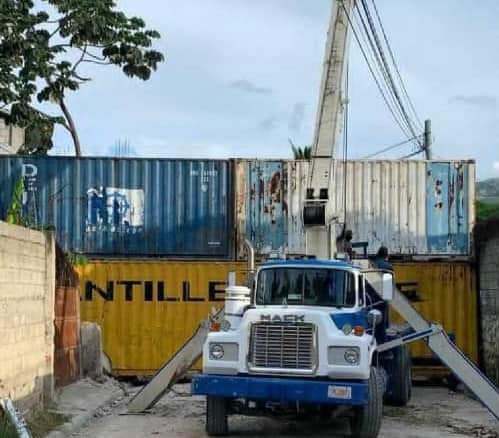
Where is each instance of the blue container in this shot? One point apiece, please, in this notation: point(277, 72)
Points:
point(447, 208)
point(125, 206)
point(261, 209)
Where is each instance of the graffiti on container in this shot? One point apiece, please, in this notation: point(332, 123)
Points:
point(29, 173)
point(115, 209)
point(148, 290)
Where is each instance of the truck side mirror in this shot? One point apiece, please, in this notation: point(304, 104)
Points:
point(387, 284)
point(374, 317)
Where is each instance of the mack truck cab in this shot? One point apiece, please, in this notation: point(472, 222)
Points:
point(304, 339)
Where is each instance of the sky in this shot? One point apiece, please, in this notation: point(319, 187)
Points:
point(241, 77)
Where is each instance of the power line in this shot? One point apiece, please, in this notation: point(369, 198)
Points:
point(412, 154)
point(381, 69)
point(382, 55)
point(389, 148)
point(371, 70)
point(404, 89)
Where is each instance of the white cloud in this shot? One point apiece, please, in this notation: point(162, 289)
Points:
point(496, 166)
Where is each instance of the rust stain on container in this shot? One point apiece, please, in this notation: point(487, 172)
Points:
point(67, 335)
point(445, 293)
point(147, 309)
point(261, 209)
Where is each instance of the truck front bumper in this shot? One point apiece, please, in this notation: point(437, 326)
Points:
point(332, 392)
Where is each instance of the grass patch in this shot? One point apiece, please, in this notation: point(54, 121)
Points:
point(40, 423)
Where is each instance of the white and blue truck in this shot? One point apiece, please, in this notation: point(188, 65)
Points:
point(313, 336)
point(304, 339)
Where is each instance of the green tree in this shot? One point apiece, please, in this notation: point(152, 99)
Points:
point(45, 45)
point(301, 152)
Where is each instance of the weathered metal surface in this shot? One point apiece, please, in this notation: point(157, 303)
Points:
point(390, 203)
point(67, 335)
point(126, 206)
point(148, 309)
point(444, 293)
point(447, 207)
point(385, 203)
point(259, 205)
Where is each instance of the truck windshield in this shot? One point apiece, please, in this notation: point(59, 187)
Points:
point(309, 287)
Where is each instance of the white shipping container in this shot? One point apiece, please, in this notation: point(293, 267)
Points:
point(423, 208)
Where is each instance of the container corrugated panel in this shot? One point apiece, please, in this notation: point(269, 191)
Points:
point(259, 204)
point(445, 293)
point(448, 207)
point(148, 309)
point(125, 206)
point(412, 207)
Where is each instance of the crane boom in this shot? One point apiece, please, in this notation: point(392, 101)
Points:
point(327, 129)
point(331, 101)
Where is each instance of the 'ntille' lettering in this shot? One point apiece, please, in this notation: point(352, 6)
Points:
point(132, 289)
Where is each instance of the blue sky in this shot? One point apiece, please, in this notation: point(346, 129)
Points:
point(242, 76)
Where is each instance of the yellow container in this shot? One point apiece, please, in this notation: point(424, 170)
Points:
point(444, 293)
point(148, 309)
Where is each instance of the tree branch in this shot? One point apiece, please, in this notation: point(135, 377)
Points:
point(81, 78)
point(77, 63)
point(96, 57)
point(97, 62)
point(71, 128)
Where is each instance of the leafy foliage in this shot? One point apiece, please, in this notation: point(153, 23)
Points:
point(486, 211)
point(14, 213)
point(301, 153)
point(43, 46)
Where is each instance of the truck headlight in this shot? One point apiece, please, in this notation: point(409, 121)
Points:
point(351, 356)
point(343, 356)
point(216, 351)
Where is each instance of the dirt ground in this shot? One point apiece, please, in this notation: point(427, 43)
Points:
point(434, 412)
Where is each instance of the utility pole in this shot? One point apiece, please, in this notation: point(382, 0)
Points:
point(427, 139)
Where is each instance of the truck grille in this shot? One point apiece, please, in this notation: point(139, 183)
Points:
point(282, 346)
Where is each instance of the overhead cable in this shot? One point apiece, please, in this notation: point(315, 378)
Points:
point(391, 81)
point(390, 51)
point(389, 148)
point(357, 38)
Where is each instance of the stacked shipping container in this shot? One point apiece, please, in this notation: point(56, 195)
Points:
point(121, 207)
point(190, 217)
point(415, 208)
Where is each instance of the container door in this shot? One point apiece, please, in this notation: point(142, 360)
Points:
point(447, 208)
point(264, 222)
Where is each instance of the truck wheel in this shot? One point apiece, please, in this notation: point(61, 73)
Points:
point(366, 420)
point(216, 416)
point(401, 378)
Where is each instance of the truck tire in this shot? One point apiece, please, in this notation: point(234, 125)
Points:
point(366, 420)
point(216, 416)
point(401, 378)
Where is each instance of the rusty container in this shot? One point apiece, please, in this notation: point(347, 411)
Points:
point(67, 335)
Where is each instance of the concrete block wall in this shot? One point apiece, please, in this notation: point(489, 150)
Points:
point(488, 256)
point(27, 290)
